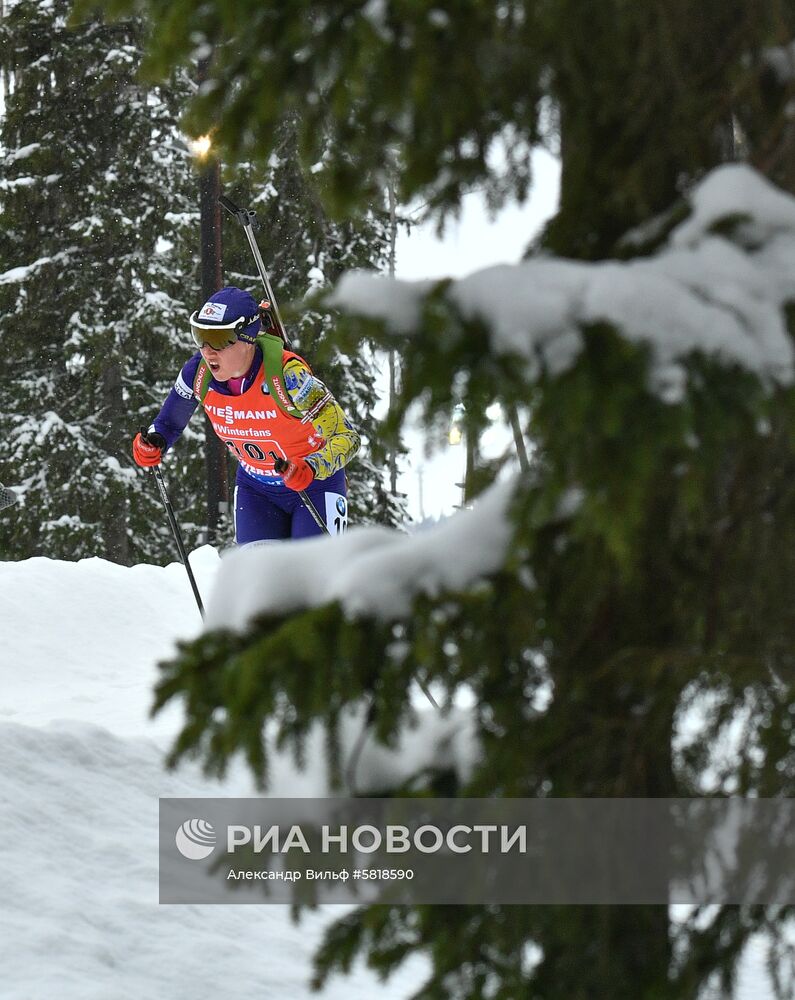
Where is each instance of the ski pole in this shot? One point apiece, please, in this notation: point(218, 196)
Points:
point(177, 536)
point(7, 497)
point(280, 465)
point(248, 220)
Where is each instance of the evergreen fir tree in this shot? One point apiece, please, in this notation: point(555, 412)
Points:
point(97, 221)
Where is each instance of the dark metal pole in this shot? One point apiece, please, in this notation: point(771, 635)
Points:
point(518, 437)
point(392, 356)
point(212, 281)
point(183, 555)
point(280, 465)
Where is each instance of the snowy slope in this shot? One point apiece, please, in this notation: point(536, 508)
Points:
point(80, 778)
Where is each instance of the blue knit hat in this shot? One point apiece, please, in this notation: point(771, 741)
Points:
point(227, 307)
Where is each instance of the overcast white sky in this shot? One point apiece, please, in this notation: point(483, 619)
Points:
point(476, 241)
point(472, 243)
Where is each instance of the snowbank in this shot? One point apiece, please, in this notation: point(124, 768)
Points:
point(79, 786)
point(79, 877)
point(78, 857)
point(375, 571)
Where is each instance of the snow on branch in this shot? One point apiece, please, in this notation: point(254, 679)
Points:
point(21, 154)
point(375, 572)
point(376, 296)
point(18, 275)
point(781, 60)
point(718, 286)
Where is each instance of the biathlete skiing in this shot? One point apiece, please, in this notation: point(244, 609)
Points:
point(288, 433)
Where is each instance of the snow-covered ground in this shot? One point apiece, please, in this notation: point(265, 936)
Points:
point(79, 785)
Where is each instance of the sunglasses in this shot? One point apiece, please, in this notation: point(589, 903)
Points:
point(215, 336)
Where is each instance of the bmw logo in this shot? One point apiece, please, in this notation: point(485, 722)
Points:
point(340, 505)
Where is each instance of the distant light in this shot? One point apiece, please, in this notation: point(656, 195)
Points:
point(200, 147)
point(455, 435)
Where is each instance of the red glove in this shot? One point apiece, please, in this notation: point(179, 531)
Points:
point(298, 475)
point(148, 448)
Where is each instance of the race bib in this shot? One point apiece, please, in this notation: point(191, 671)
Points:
point(336, 513)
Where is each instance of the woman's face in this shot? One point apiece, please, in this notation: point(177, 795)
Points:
point(230, 362)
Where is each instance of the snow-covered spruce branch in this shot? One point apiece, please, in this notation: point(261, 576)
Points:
point(718, 286)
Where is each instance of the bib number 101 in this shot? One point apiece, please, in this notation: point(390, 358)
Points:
point(249, 450)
